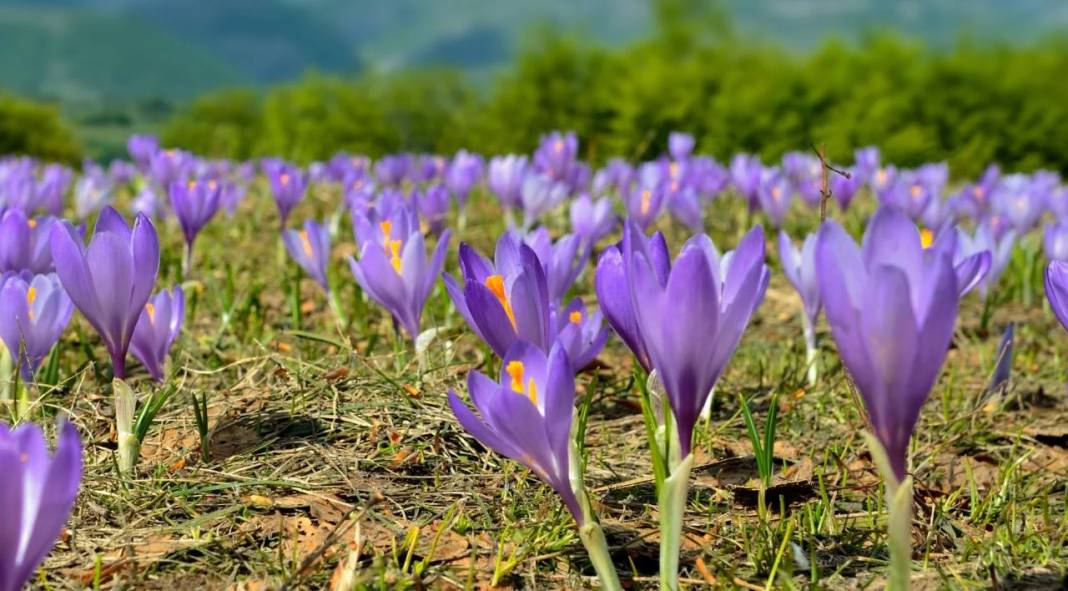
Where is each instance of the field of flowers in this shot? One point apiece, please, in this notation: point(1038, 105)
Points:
point(478, 371)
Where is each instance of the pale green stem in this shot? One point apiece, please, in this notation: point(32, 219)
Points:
point(593, 539)
point(187, 260)
point(335, 307)
point(590, 531)
point(7, 373)
point(706, 411)
point(129, 448)
point(899, 519)
point(811, 351)
point(672, 499)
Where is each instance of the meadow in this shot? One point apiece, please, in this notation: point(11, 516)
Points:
point(300, 438)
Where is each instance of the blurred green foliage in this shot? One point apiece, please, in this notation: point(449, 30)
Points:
point(35, 129)
point(970, 105)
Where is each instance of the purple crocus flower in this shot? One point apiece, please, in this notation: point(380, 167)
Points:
point(680, 145)
point(506, 300)
point(616, 175)
point(33, 315)
point(194, 204)
point(971, 268)
point(1057, 290)
point(692, 318)
point(539, 195)
point(582, 335)
point(891, 310)
point(684, 205)
point(463, 173)
point(391, 170)
point(157, 329)
point(799, 266)
point(592, 220)
point(111, 280)
point(613, 289)
point(746, 172)
point(505, 179)
point(804, 171)
point(563, 260)
point(556, 156)
point(49, 193)
point(93, 191)
point(644, 202)
point(433, 206)
point(1055, 241)
point(985, 240)
point(310, 248)
point(845, 188)
point(37, 493)
point(775, 194)
point(288, 185)
point(866, 163)
point(24, 242)
point(141, 149)
point(527, 415)
point(398, 274)
point(170, 166)
point(1020, 200)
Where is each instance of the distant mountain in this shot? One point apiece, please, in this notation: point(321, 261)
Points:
point(84, 50)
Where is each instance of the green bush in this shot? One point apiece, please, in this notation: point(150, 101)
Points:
point(969, 106)
point(34, 129)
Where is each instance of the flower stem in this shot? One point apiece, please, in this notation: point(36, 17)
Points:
point(593, 539)
point(7, 372)
point(129, 448)
point(899, 521)
point(672, 500)
point(811, 350)
point(187, 259)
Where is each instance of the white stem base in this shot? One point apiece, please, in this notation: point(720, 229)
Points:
point(673, 497)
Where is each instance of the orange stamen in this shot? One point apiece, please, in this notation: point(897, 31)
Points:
point(495, 283)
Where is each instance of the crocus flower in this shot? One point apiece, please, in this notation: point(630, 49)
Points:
point(615, 176)
point(92, 191)
point(592, 220)
point(1057, 290)
point(1055, 241)
point(613, 290)
point(141, 149)
point(33, 315)
point(398, 274)
point(692, 318)
point(971, 267)
point(505, 179)
point(539, 195)
point(583, 335)
point(563, 260)
point(799, 266)
point(505, 300)
point(52, 187)
point(644, 202)
point(1020, 200)
point(392, 169)
point(685, 206)
point(288, 185)
point(463, 173)
point(866, 163)
point(111, 280)
point(891, 310)
point(24, 242)
point(310, 248)
point(170, 166)
point(844, 188)
point(157, 329)
point(556, 156)
point(680, 145)
point(433, 206)
point(746, 172)
point(194, 204)
point(527, 415)
point(984, 240)
point(804, 171)
point(37, 493)
point(775, 194)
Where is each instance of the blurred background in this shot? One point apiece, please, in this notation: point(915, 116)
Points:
point(968, 81)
